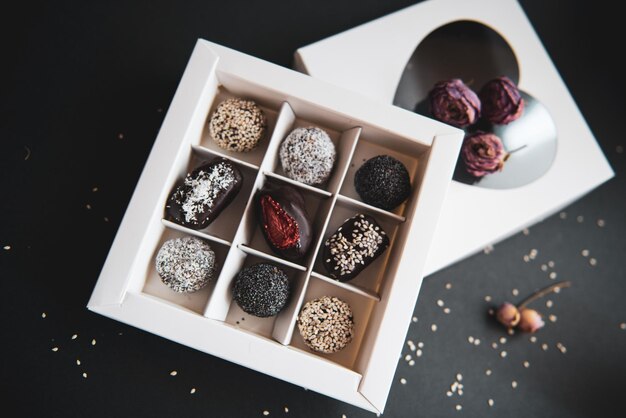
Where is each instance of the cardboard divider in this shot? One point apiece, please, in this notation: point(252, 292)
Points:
point(361, 307)
point(350, 287)
point(369, 208)
point(370, 146)
point(194, 232)
point(255, 156)
point(193, 301)
point(264, 326)
point(372, 276)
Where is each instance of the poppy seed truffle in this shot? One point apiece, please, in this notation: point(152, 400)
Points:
point(383, 182)
point(261, 290)
point(186, 264)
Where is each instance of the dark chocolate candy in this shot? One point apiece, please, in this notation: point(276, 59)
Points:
point(284, 221)
point(354, 246)
point(204, 193)
point(261, 290)
point(383, 182)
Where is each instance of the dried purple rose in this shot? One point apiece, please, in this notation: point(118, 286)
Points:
point(452, 102)
point(530, 320)
point(508, 315)
point(483, 153)
point(501, 101)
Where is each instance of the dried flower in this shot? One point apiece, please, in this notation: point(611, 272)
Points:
point(501, 101)
point(452, 102)
point(483, 153)
point(530, 320)
point(508, 315)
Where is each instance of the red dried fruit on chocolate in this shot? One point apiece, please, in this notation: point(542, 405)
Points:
point(284, 221)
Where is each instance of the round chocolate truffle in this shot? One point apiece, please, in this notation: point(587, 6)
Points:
point(308, 155)
point(383, 182)
point(186, 264)
point(261, 290)
point(237, 125)
point(326, 324)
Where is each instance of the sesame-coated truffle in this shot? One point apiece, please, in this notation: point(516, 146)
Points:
point(186, 264)
point(383, 182)
point(261, 290)
point(353, 247)
point(308, 155)
point(204, 193)
point(238, 125)
point(326, 324)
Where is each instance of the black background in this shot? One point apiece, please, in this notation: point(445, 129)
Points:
point(76, 75)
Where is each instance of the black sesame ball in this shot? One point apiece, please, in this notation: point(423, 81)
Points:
point(261, 290)
point(383, 182)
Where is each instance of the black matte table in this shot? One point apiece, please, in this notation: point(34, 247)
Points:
point(85, 90)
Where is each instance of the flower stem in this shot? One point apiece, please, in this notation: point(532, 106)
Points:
point(541, 293)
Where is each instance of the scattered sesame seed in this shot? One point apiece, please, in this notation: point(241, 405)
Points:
point(563, 215)
point(77, 362)
point(552, 318)
point(414, 319)
point(490, 311)
point(600, 223)
point(544, 267)
point(459, 407)
point(515, 292)
point(55, 349)
point(553, 275)
point(593, 261)
point(446, 310)
point(488, 249)
point(557, 290)
point(510, 331)
point(470, 339)
point(533, 339)
point(192, 391)
point(120, 136)
point(420, 344)
point(503, 354)
point(433, 327)
point(412, 363)
point(551, 264)
point(43, 315)
point(494, 345)
point(448, 394)
point(490, 402)
point(95, 189)
point(476, 341)
point(514, 384)
point(502, 340)
point(488, 372)
point(74, 336)
point(459, 377)
point(544, 347)
point(173, 373)
point(533, 253)
point(580, 218)
point(460, 392)
point(622, 326)
point(440, 303)
point(418, 353)
point(526, 258)
point(85, 375)
point(287, 410)
point(403, 381)
point(93, 342)
point(526, 231)
point(561, 348)
point(106, 219)
point(487, 298)
point(448, 286)
point(408, 357)
point(585, 253)
point(88, 206)
point(266, 413)
point(549, 304)
point(7, 247)
point(619, 149)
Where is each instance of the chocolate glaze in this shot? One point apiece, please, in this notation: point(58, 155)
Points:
point(284, 221)
point(353, 247)
point(197, 200)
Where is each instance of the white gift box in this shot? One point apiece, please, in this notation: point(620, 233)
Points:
point(398, 58)
point(382, 297)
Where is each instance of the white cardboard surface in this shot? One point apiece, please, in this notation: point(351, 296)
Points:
point(370, 59)
point(130, 291)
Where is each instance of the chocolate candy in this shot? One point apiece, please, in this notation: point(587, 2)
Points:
point(326, 324)
point(284, 221)
point(238, 125)
point(186, 264)
point(261, 290)
point(204, 193)
point(308, 155)
point(354, 246)
point(383, 182)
